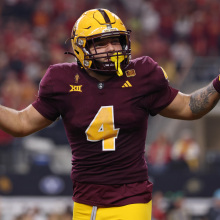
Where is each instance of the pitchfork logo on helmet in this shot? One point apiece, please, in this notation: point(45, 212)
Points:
point(97, 24)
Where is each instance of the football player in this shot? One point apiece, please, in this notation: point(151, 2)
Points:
point(105, 100)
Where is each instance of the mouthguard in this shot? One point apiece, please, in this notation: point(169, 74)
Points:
point(117, 58)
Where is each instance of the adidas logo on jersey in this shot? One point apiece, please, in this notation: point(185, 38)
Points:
point(127, 84)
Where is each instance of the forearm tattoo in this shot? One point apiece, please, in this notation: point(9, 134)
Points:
point(200, 101)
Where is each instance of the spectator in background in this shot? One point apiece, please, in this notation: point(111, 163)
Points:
point(182, 54)
point(177, 210)
point(38, 214)
point(187, 149)
point(158, 206)
point(159, 154)
point(150, 18)
point(214, 211)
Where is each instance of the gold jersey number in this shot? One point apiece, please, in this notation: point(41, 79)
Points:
point(102, 128)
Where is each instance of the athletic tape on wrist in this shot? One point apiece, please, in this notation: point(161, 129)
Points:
point(216, 83)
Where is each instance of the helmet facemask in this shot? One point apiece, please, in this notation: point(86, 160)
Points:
point(122, 56)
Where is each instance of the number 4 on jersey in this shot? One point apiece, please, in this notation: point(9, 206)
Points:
point(102, 128)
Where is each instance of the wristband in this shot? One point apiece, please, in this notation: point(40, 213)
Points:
point(216, 83)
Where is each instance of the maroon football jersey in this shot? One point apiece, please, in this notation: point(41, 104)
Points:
point(105, 123)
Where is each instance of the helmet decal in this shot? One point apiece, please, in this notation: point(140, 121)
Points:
point(106, 17)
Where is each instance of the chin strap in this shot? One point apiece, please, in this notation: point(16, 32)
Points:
point(117, 58)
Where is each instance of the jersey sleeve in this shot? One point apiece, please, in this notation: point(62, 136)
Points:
point(162, 93)
point(45, 103)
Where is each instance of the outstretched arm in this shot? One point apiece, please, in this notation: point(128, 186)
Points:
point(22, 123)
point(193, 106)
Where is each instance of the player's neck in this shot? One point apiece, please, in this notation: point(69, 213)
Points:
point(99, 77)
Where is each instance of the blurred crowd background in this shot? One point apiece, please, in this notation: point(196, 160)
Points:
point(174, 33)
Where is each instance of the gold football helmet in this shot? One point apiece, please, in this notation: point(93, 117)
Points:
point(98, 24)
